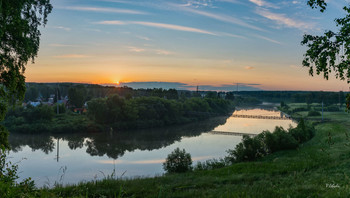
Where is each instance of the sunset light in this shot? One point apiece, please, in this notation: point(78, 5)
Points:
point(215, 42)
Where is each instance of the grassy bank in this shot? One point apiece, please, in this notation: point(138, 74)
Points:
point(319, 168)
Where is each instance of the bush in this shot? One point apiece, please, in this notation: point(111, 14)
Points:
point(178, 161)
point(279, 140)
point(302, 132)
point(248, 150)
point(266, 142)
point(314, 113)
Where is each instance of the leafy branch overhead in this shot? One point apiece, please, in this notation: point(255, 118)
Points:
point(19, 43)
point(331, 51)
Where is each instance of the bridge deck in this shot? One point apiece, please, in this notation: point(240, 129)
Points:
point(261, 117)
point(231, 133)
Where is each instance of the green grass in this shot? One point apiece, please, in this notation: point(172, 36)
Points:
point(318, 168)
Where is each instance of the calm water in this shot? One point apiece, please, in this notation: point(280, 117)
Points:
point(85, 157)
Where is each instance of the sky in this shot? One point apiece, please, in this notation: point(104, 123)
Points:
point(209, 43)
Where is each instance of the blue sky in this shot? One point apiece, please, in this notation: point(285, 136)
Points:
point(196, 42)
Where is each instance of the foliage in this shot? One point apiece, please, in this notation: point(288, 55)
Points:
point(313, 113)
point(251, 149)
point(143, 112)
point(317, 3)
point(279, 140)
point(210, 164)
point(178, 161)
point(303, 132)
point(77, 96)
point(19, 42)
point(8, 176)
point(331, 51)
point(246, 101)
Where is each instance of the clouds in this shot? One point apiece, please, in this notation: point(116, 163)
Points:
point(157, 25)
point(282, 19)
point(149, 50)
point(249, 67)
point(263, 3)
point(104, 10)
point(219, 17)
point(62, 28)
point(72, 56)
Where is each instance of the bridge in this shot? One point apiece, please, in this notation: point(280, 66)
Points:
point(262, 117)
point(232, 133)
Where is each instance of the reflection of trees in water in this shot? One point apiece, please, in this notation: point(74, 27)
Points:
point(35, 142)
point(115, 144)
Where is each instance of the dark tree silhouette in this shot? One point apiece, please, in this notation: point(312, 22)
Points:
point(19, 43)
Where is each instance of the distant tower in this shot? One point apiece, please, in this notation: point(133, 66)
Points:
point(197, 89)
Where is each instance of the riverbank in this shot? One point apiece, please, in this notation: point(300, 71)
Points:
point(318, 168)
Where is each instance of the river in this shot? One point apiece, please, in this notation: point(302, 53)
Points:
point(72, 158)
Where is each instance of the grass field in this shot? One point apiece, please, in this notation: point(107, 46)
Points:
point(318, 168)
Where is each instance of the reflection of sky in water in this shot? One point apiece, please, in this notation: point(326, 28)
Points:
point(81, 166)
point(44, 168)
point(253, 125)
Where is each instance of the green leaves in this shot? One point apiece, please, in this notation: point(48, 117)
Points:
point(19, 42)
point(317, 4)
point(178, 161)
point(330, 52)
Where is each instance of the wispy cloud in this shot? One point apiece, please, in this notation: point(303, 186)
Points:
point(231, 1)
point(106, 10)
point(135, 49)
point(283, 20)
point(62, 28)
point(249, 67)
point(153, 51)
point(198, 3)
point(263, 3)
point(219, 17)
point(72, 56)
point(61, 45)
point(164, 52)
point(144, 38)
point(233, 35)
point(268, 39)
point(158, 25)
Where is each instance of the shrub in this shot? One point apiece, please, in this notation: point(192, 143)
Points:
point(248, 150)
point(314, 113)
point(302, 132)
point(178, 161)
point(266, 142)
point(279, 140)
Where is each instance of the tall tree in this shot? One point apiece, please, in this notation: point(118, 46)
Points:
point(19, 43)
point(330, 52)
point(77, 96)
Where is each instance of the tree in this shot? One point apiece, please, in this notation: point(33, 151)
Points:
point(19, 43)
point(31, 94)
point(330, 52)
point(77, 96)
point(178, 161)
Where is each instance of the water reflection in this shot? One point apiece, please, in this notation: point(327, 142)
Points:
point(140, 153)
point(114, 144)
point(254, 125)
